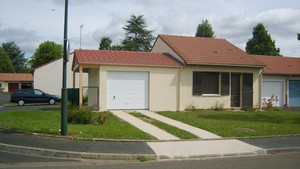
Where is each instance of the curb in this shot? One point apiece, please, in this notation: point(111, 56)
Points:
point(282, 150)
point(73, 154)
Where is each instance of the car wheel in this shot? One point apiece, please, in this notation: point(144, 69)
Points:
point(21, 102)
point(52, 101)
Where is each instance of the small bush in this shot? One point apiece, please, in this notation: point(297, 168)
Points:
point(81, 115)
point(268, 104)
point(85, 115)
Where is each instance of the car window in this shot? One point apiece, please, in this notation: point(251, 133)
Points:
point(18, 92)
point(38, 92)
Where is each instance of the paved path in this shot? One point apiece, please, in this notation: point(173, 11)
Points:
point(146, 127)
point(203, 148)
point(203, 134)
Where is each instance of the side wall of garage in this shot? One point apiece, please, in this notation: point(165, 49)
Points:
point(162, 86)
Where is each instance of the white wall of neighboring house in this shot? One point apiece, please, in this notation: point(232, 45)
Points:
point(49, 77)
point(4, 86)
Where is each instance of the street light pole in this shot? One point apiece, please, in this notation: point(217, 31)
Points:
point(80, 35)
point(64, 95)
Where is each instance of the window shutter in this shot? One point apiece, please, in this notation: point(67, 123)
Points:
point(197, 90)
point(224, 83)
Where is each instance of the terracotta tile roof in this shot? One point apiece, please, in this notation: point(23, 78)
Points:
point(20, 77)
point(280, 65)
point(208, 51)
point(125, 58)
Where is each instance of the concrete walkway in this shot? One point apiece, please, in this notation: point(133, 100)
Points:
point(146, 127)
point(203, 149)
point(203, 134)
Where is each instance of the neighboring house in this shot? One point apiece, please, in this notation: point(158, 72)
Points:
point(179, 73)
point(48, 77)
point(281, 78)
point(9, 82)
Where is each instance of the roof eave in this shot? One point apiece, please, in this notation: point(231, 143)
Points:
point(134, 65)
point(227, 65)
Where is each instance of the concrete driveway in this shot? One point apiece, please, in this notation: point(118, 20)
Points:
point(4, 98)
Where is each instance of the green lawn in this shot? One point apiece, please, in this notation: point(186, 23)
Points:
point(168, 128)
point(223, 123)
point(241, 124)
point(48, 122)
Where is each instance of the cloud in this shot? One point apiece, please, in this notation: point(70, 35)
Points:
point(27, 40)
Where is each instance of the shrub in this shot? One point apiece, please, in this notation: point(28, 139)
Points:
point(85, 115)
point(81, 115)
point(268, 104)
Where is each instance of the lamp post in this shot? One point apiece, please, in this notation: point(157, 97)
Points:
point(80, 35)
point(64, 95)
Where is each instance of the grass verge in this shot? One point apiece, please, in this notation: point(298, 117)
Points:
point(48, 122)
point(168, 128)
point(241, 124)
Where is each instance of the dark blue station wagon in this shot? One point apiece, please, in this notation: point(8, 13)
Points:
point(23, 96)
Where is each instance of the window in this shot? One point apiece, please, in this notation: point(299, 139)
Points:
point(210, 82)
point(38, 92)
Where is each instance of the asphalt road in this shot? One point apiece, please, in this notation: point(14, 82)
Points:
point(277, 161)
point(31, 107)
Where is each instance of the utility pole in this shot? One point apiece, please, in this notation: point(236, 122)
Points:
point(80, 35)
point(64, 93)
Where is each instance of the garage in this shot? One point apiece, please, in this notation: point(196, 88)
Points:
point(294, 93)
point(127, 90)
point(12, 87)
point(274, 88)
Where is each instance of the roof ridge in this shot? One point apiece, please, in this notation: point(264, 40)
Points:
point(189, 36)
point(275, 56)
point(120, 51)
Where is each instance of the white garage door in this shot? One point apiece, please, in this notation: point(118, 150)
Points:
point(127, 90)
point(275, 88)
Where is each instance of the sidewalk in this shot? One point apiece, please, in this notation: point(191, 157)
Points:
point(12, 141)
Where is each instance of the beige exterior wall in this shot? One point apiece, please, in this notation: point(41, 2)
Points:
point(161, 46)
point(163, 86)
point(208, 101)
point(49, 77)
point(164, 91)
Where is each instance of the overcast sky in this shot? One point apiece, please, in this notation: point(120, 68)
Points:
point(30, 22)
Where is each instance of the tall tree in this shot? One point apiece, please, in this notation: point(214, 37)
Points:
point(105, 43)
point(6, 65)
point(46, 52)
point(205, 30)
point(137, 36)
point(261, 43)
point(298, 34)
point(16, 56)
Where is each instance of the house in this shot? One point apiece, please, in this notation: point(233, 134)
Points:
point(9, 82)
point(281, 78)
point(215, 72)
point(48, 77)
point(179, 73)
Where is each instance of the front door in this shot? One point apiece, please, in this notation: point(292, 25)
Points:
point(235, 90)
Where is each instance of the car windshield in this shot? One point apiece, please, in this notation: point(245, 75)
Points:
point(38, 92)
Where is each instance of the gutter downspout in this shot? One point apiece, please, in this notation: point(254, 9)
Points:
point(260, 90)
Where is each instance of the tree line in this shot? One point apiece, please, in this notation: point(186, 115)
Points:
point(137, 38)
